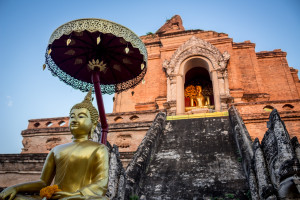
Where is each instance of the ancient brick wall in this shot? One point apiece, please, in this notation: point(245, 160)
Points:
point(20, 168)
point(294, 73)
point(42, 135)
point(263, 77)
point(243, 57)
point(277, 79)
point(126, 130)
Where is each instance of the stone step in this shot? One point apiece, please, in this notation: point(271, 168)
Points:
point(195, 159)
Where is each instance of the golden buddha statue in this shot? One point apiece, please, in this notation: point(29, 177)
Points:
point(79, 168)
point(200, 98)
point(197, 99)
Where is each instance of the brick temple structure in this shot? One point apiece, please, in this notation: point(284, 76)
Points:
point(190, 72)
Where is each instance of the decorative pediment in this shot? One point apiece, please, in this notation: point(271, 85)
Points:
point(195, 47)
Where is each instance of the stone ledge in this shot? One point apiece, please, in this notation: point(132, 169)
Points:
point(20, 172)
point(130, 125)
point(220, 41)
point(264, 102)
point(22, 157)
point(243, 45)
point(153, 44)
point(57, 130)
point(47, 119)
point(192, 32)
point(271, 54)
point(180, 33)
point(259, 117)
point(132, 112)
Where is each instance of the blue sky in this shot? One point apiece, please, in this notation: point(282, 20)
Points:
point(28, 92)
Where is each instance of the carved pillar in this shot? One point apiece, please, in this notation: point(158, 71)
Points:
point(221, 81)
point(226, 86)
point(168, 89)
point(180, 95)
point(216, 91)
point(170, 104)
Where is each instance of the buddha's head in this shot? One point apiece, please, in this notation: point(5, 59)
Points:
point(83, 117)
point(199, 88)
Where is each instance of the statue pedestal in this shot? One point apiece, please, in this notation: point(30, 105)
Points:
point(194, 110)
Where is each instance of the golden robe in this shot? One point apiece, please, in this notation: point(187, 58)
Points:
point(78, 167)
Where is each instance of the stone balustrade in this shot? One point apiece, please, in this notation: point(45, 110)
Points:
point(48, 123)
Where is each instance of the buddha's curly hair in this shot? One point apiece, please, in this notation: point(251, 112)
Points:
point(87, 103)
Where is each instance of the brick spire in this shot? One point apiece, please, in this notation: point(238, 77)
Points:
point(172, 25)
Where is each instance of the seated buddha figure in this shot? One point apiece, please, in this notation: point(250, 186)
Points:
point(200, 99)
point(80, 168)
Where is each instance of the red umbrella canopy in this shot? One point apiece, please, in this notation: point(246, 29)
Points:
point(80, 46)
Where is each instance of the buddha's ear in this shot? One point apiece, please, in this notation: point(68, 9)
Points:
point(92, 131)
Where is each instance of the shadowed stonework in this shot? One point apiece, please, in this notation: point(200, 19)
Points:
point(193, 159)
point(272, 168)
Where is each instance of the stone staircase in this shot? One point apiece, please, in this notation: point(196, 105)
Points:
point(195, 159)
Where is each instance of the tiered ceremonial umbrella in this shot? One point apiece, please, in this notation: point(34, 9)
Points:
point(97, 54)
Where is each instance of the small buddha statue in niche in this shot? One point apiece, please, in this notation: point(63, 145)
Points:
point(80, 168)
point(201, 100)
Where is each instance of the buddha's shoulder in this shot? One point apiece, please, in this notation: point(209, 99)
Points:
point(86, 144)
point(63, 146)
point(93, 145)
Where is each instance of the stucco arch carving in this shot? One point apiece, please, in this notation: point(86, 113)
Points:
point(217, 67)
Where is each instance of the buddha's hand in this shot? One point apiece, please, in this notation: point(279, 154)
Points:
point(8, 192)
point(66, 195)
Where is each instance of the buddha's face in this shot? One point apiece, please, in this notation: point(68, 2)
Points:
point(80, 122)
point(199, 88)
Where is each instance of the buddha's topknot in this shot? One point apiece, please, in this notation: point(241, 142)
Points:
point(87, 103)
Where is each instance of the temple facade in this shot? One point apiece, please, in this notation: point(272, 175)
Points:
point(183, 62)
point(191, 72)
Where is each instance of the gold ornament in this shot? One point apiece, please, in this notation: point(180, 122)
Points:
point(49, 51)
point(44, 66)
point(142, 66)
point(98, 40)
point(190, 91)
point(97, 65)
point(68, 41)
point(126, 50)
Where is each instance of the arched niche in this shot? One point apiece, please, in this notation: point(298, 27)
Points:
point(194, 53)
point(197, 76)
point(192, 63)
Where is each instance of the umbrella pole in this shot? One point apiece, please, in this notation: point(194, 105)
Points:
point(104, 125)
